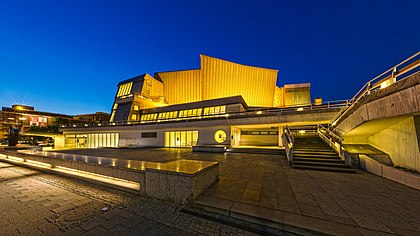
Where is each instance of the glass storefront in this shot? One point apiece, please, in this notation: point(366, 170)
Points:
point(181, 138)
point(92, 140)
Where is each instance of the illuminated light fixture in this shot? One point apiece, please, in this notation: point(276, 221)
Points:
point(299, 109)
point(334, 123)
point(259, 112)
point(99, 124)
point(302, 131)
point(86, 124)
point(384, 84)
point(22, 118)
point(227, 115)
point(10, 118)
point(74, 125)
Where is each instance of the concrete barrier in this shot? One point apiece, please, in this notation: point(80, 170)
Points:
point(391, 173)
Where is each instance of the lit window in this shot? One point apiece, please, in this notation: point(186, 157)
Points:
point(206, 111)
point(134, 117)
point(112, 116)
point(199, 111)
point(216, 110)
point(211, 111)
point(136, 108)
point(222, 109)
point(124, 89)
point(190, 113)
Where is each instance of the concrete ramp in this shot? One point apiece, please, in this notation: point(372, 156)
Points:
point(370, 151)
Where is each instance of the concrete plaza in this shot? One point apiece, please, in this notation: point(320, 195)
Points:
point(35, 203)
point(259, 186)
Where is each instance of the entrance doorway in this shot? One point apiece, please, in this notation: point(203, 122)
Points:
point(181, 138)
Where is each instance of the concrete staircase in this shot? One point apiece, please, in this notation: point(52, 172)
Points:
point(314, 154)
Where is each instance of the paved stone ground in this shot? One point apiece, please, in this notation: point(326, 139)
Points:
point(35, 203)
point(358, 203)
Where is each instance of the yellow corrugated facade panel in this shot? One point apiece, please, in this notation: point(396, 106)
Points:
point(222, 78)
point(297, 94)
point(181, 86)
point(278, 97)
point(152, 87)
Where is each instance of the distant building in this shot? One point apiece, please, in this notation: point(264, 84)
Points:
point(25, 117)
point(95, 117)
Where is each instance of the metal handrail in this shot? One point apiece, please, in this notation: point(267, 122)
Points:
point(256, 111)
point(288, 143)
point(335, 142)
point(330, 133)
point(373, 84)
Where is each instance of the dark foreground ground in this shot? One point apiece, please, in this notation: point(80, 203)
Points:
point(351, 204)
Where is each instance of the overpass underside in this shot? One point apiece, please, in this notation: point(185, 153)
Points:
point(388, 119)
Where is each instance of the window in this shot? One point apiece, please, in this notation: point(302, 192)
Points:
point(136, 107)
point(124, 89)
point(149, 135)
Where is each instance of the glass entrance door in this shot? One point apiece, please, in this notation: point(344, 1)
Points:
point(181, 138)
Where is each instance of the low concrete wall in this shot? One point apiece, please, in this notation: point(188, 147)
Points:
point(179, 181)
point(400, 176)
point(178, 187)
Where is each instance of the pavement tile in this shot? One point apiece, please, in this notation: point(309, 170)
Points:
point(268, 203)
point(319, 225)
point(243, 209)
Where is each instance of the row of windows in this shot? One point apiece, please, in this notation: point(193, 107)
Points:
point(259, 132)
point(185, 114)
point(124, 89)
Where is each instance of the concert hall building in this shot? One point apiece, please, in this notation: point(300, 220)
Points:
point(221, 103)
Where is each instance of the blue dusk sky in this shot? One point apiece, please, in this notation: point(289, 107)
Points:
point(68, 56)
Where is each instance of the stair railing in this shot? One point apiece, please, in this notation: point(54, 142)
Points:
point(288, 142)
point(391, 76)
point(335, 142)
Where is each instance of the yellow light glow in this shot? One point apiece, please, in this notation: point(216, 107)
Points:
point(19, 108)
point(334, 123)
point(259, 112)
point(22, 118)
point(302, 131)
point(384, 84)
point(299, 109)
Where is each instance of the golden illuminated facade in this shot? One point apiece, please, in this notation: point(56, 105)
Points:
point(214, 79)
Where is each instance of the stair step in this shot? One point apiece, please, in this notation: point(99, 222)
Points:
point(323, 168)
point(326, 164)
point(316, 155)
point(331, 160)
point(314, 152)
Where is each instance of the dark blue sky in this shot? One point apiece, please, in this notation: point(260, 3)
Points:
point(68, 56)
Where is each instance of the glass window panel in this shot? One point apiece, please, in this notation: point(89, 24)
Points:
point(183, 139)
point(222, 109)
point(199, 111)
point(211, 111)
point(217, 110)
point(206, 111)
